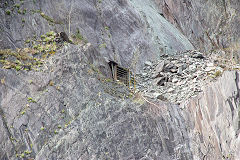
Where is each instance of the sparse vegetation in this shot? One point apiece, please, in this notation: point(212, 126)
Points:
point(3, 80)
point(23, 112)
point(24, 11)
point(217, 74)
point(22, 155)
point(44, 47)
point(8, 12)
point(27, 152)
point(28, 41)
point(19, 11)
point(51, 83)
point(31, 100)
point(17, 6)
point(49, 19)
point(78, 37)
point(104, 45)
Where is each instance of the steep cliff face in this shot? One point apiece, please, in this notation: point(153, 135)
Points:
point(68, 108)
point(214, 119)
point(208, 24)
point(71, 111)
point(117, 29)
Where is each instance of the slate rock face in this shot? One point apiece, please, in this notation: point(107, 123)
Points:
point(79, 118)
point(208, 24)
point(70, 108)
point(84, 116)
point(121, 30)
point(215, 116)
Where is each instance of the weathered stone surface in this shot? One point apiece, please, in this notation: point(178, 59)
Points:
point(208, 24)
point(85, 116)
point(160, 67)
point(123, 31)
point(69, 110)
point(215, 117)
point(82, 116)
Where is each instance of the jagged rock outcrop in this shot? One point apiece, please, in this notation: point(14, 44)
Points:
point(214, 119)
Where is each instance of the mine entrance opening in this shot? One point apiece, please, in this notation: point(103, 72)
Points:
point(123, 75)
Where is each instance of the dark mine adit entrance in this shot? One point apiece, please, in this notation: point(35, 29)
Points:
point(123, 75)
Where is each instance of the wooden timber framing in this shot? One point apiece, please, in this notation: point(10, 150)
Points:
point(122, 74)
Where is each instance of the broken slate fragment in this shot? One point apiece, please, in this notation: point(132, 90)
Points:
point(161, 80)
point(197, 55)
point(160, 67)
point(148, 63)
point(174, 80)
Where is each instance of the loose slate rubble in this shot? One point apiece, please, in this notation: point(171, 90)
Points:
point(175, 78)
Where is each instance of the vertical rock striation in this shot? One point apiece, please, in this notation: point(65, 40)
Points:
point(214, 119)
point(208, 24)
point(119, 30)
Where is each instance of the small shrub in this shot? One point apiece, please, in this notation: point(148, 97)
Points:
point(3, 81)
point(31, 100)
point(28, 41)
point(8, 12)
point(23, 112)
point(49, 19)
point(27, 152)
point(78, 35)
point(24, 11)
point(104, 45)
point(17, 6)
point(51, 33)
point(51, 83)
point(217, 74)
point(43, 36)
point(22, 155)
point(18, 67)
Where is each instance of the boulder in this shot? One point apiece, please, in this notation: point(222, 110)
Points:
point(160, 67)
